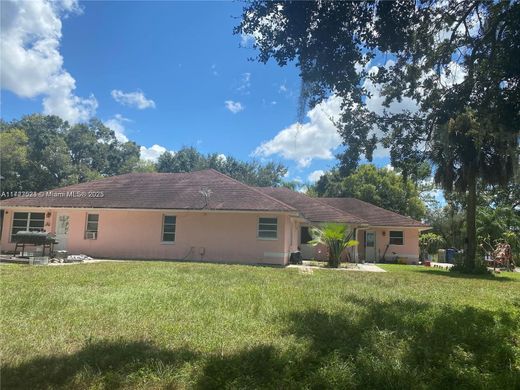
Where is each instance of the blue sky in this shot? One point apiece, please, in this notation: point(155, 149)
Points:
point(169, 74)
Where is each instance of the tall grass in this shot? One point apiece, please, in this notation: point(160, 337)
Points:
point(180, 325)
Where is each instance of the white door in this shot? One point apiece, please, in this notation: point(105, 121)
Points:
point(370, 246)
point(62, 231)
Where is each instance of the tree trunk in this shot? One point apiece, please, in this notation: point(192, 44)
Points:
point(471, 230)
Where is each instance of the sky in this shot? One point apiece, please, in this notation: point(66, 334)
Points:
point(165, 75)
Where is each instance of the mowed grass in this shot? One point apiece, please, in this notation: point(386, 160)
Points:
point(180, 325)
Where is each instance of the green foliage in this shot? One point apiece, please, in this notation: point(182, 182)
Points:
point(188, 159)
point(458, 60)
point(478, 268)
point(145, 166)
point(335, 237)
point(448, 222)
point(44, 152)
point(158, 325)
point(500, 224)
point(379, 186)
point(40, 152)
point(497, 220)
point(431, 243)
point(185, 160)
point(13, 157)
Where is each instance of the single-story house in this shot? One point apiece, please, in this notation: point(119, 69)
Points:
point(203, 215)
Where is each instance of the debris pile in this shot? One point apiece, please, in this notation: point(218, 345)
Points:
point(64, 258)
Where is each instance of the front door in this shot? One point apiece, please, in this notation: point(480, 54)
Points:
point(62, 231)
point(306, 249)
point(370, 246)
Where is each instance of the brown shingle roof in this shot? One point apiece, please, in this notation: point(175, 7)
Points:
point(374, 215)
point(311, 208)
point(160, 191)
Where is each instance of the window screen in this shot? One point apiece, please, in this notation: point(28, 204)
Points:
point(168, 231)
point(268, 228)
point(396, 238)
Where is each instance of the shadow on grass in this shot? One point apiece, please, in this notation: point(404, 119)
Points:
point(117, 365)
point(406, 345)
point(502, 278)
point(398, 344)
point(105, 363)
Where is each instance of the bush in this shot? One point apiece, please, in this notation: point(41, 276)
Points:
point(460, 267)
point(430, 243)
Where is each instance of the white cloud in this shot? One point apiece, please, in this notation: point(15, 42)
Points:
point(222, 157)
point(117, 125)
point(214, 69)
point(233, 106)
point(132, 99)
point(284, 89)
point(245, 83)
point(302, 143)
point(375, 104)
point(453, 75)
point(153, 152)
point(318, 138)
point(247, 40)
point(31, 64)
point(315, 175)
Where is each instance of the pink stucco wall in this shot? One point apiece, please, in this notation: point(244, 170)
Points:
point(409, 251)
point(135, 234)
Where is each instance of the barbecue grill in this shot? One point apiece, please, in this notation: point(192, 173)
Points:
point(43, 239)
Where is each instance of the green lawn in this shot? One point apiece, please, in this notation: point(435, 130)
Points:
point(180, 325)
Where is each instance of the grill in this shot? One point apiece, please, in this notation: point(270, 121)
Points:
point(34, 239)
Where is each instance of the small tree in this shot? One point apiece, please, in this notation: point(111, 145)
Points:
point(430, 243)
point(336, 237)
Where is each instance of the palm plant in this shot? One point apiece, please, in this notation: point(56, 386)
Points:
point(336, 237)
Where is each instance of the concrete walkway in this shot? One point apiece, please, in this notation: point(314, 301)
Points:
point(368, 268)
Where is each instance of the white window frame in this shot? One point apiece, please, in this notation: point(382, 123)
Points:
point(390, 237)
point(28, 222)
point(174, 232)
point(272, 224)
point(91, 234)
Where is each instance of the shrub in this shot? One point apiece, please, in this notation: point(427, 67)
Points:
point(336, 237)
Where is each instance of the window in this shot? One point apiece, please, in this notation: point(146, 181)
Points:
point(32, 222)
point(268, 228)
point(396, 238)
point(168, 230)
point(305, 235)
point(370, 239)
point(91, 229)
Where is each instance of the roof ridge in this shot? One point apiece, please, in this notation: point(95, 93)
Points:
point(254, 189)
